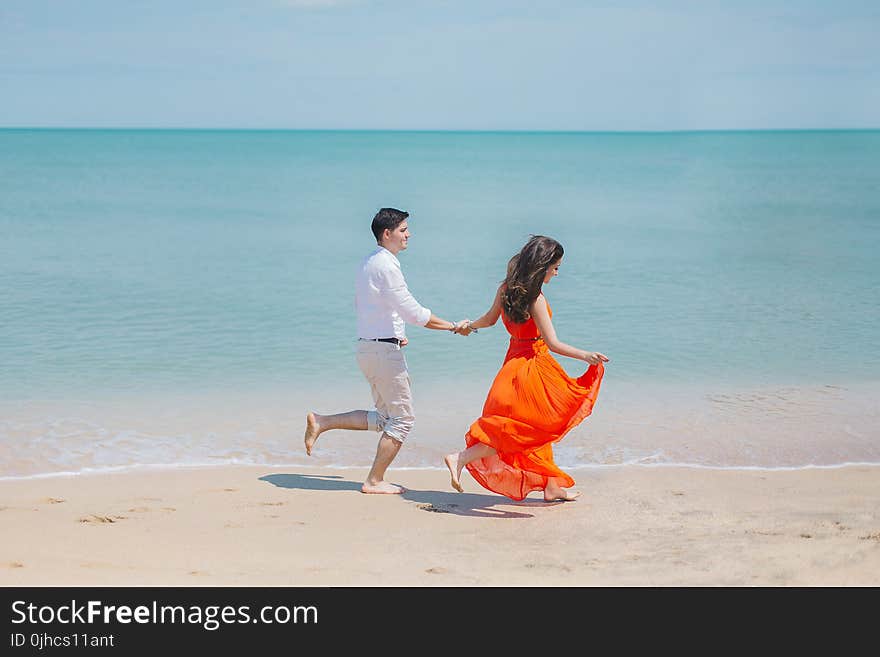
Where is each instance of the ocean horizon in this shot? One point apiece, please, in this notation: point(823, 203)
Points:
point(173, 297)
point(524, 131)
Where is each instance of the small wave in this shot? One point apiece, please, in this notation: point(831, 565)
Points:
point(641, 463)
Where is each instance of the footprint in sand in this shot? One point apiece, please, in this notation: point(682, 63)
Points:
point(549, 566)
point(433, 508)
point(52, 500)
point(871, 537)
point(15, 564)
point(762, 532)
point(436, 570)
point(94, 518)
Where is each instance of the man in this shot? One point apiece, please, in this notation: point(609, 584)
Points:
point(384, 305)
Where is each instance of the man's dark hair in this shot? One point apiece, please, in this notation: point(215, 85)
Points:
point(389, 218)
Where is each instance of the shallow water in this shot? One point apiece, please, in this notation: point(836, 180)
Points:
point(180, 297)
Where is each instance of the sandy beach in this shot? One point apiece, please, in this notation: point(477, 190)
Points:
point(265, 526)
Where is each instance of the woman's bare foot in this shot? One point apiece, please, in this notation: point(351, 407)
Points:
point(454, 471)
point(560, 495)
point(313, 430)
point(382, 487)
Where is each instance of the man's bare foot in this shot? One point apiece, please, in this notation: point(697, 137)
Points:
point(454, 471)
point(313, 429)
point(560, 495)
point(383, 487)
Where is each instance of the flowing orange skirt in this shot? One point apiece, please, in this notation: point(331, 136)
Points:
point(532, 403)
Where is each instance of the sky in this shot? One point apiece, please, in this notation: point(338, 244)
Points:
point(555, 65)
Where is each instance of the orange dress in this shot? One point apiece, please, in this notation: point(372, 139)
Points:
point(532, 403)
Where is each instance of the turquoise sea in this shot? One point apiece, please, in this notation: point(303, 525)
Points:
point(183, 297)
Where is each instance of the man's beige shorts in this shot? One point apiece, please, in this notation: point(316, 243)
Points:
point(385, 369)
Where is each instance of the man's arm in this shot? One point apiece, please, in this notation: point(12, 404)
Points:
point(397, 295)
point(439, 323)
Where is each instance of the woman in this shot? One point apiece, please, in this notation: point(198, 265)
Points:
point(533, 402)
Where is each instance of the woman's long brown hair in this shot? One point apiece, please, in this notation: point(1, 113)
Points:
point(525, 276)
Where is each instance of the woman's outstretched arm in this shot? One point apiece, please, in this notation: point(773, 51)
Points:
point(542, 319)
point(491, 315)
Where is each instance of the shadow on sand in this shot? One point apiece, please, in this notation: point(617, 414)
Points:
point(462, 504)
point(311, 482)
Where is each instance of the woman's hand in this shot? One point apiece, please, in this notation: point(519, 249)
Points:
point(594, 357)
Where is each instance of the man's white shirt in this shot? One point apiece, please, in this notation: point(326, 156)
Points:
point(383, 303)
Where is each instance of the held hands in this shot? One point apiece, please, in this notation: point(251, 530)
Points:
point(463, 327)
